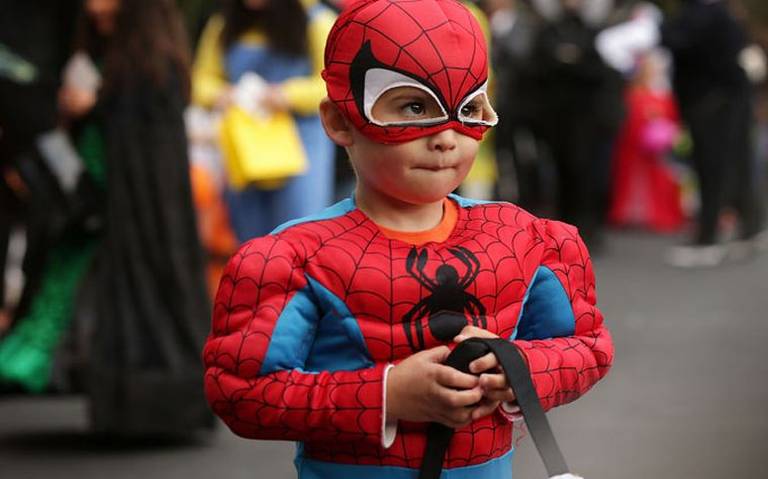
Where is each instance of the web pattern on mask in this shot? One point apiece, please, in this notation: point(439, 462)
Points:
point(420, 44)
point(338, 413)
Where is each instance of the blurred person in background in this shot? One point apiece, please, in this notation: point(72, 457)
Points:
point(143, 309)
point(196, 14)
point(646, 192)
point(716, 99)
point(514, 27)
point(146, 291)
point(580, 108)
point(283, 42)
point(9, 210)
point(34, 44)
point(482, 179)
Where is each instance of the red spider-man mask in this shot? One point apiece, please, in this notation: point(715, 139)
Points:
point(435, 46)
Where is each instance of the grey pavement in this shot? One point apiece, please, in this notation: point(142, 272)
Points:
point(687, 397)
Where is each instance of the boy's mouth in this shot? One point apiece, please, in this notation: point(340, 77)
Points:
point(438, 167)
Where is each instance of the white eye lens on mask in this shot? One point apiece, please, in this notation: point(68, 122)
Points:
point(477, 110)
point(379, 81)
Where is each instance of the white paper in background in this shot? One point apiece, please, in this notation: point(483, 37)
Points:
point(249, 94)
point(202, 131)
point(81, 73)
point(753, 61)
point(61, 158)
point(620, 45)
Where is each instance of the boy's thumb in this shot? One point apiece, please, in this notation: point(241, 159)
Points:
point(438, 354)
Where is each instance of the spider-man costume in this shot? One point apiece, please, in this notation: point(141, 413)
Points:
point(308, 319)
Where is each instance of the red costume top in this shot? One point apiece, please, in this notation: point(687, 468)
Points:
point(306, 320)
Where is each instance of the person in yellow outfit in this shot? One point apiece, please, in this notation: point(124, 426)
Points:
point(282, 41)
point(481, 181)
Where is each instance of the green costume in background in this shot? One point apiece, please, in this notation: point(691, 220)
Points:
point(27, 352)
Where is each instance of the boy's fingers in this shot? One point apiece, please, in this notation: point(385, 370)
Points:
point(504, 395)
point(457, 418)
point(437, 354)
point(483, 363)
point(486, 407)
point(462, 398)
point(449, 377)
point(473, 332)
point(493, 381)
point(449, 399)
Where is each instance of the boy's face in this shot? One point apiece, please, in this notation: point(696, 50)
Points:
point(419, 171)
point(433, 45)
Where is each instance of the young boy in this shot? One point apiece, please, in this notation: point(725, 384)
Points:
point(327, 331)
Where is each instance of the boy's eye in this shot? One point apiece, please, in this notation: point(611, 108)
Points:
point(472, 110)
point(406, 104)
point(415, 108)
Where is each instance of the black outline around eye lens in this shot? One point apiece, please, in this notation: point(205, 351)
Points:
point(364, 61)
point(464, 102)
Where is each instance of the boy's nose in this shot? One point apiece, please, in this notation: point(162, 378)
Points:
point(443, 141)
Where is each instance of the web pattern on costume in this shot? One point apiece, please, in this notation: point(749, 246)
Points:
point(257, 285)
point(412, 47)
point(338, 414)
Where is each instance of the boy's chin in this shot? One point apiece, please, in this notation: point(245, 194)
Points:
point(426, 197)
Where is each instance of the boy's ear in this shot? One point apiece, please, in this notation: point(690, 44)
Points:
point(336, 125)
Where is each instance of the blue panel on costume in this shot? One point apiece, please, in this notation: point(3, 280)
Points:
point(499, 468)
point(339, 209)
point(546, 311)
point(339, 343)
point(527, 295)
point(468, 202)
point(292, 337)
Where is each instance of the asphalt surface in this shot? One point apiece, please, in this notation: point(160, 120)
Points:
point(687, 397)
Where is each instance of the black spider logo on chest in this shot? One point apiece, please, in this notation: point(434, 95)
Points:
point(448, 307)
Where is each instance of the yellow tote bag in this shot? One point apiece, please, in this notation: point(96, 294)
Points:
point(260, 152)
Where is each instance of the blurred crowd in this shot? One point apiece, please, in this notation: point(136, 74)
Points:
point(141, 141)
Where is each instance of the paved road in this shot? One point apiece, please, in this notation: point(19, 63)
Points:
point(686, 399)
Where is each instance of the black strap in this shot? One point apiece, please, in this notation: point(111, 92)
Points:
point(519, 379)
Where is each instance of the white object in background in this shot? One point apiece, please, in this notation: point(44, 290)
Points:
point(61, 158)
point(753, 61)
point(593, 12)
point(549, 9)
point(202, 132)
point(249, 94)
point(566, 476)
point(596, 12)
point(620, 45)
point(201, 124)
point(14, 272)
point(81, 73)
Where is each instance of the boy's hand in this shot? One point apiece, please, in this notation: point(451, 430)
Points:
point(493, 382)
point(422, 389)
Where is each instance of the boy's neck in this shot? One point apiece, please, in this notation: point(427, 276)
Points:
point(397, 215)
